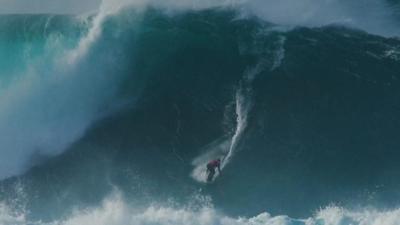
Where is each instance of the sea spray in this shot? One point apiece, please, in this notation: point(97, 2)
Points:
point(106, 9)
point(114, 210)
point(243, 106)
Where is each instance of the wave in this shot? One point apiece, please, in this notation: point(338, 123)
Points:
point(140, 99)
point(115, 211)
point(53, 51)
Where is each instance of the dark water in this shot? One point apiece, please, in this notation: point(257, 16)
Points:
point(321, 108)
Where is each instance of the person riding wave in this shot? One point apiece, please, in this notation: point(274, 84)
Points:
point(211, 166)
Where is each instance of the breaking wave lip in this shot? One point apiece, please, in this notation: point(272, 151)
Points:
point(372, 16)
point(59, 94)
point(114, 210)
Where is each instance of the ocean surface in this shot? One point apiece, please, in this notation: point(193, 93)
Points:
point(109, 118)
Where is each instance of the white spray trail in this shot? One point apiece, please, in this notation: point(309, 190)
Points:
point(244, 102)
point(243, 106)
point(227, 148)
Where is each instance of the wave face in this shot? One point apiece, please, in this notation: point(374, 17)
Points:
point(110, 119)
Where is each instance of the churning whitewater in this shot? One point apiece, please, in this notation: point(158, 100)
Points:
point(111, 117)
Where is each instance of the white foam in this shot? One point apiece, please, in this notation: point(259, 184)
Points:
point(118, 213)
point(115, 211)
point(393, 53)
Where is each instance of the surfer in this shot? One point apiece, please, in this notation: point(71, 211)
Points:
point(211, 166)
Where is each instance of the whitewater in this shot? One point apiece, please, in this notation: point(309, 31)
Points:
point(111, 117)
point(114, 211)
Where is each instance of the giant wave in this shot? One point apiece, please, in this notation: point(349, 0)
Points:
point(138, 99)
